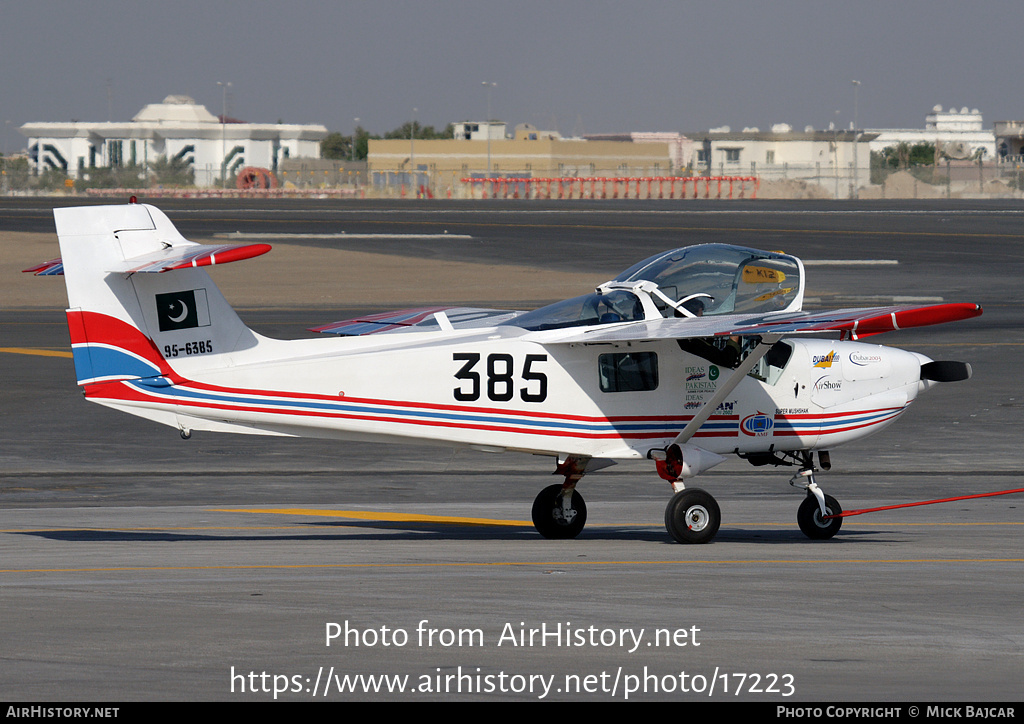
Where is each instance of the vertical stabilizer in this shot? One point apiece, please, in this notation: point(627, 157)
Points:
point(128, 325)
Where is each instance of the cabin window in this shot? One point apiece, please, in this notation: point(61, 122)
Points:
point(770, 367)
point(628, 372)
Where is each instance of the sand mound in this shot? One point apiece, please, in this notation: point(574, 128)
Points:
point(791, 189)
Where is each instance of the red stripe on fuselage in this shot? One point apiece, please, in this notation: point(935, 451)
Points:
point(122, 391)
point(96, 328)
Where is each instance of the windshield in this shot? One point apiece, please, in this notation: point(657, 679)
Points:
point(738, 280)
point(596, 308)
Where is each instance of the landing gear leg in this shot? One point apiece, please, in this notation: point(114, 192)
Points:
point(692, 515)
point(813, 515)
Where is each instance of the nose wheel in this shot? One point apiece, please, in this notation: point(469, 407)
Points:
point(815, 525)
point(559, 512)
point(814, 514)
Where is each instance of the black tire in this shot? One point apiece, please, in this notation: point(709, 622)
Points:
point(692, 516)
point(548, 518)
point(811, 522)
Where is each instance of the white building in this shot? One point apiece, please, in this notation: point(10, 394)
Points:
point(958, 134)
point(479, 130)
point(1010, 140)
point(837, 160)
point(176, 128)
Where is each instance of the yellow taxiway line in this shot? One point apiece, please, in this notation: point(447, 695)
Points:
point(39, 352)
point(380, 516)
point(519, 563)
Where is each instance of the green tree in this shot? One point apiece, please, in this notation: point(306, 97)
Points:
point(363, 143)
point(172, 172)
point(129, 176)
point(16, 173)
point(903, 155)
point(336, 146)
point(52, 179)
point(413, 129)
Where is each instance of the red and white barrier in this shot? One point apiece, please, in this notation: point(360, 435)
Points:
point(599, 187)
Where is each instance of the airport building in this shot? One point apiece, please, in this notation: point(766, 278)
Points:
point(680, 147)
point(479, 131)
point(807, 154)
point(178, 128)
point(835, 159)
point(1010, 140)
point(956, 134)
point(530, 153)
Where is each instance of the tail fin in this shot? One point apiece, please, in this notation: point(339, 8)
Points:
point(127, 322)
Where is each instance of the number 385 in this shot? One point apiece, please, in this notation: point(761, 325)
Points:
point(501, 379)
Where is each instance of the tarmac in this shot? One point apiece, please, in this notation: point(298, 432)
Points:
point(137, 566)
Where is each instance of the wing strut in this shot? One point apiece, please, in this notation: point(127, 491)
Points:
point(726, 389)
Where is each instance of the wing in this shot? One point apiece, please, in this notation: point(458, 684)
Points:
point(849, 323)
point(175, 257)
point(421, 319)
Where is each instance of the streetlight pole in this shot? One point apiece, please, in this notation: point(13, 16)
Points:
point(223, 139)
point(835, 152)
point(856, 164)
point(355, 131)
point(7, 125)
point(490, 86)
point(412, 150)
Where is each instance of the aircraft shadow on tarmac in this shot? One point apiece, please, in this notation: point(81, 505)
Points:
point(405, 531)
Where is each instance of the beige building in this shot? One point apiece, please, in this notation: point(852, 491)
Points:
point(442, 163)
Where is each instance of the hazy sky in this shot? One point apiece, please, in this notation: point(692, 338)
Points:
point(591, 66)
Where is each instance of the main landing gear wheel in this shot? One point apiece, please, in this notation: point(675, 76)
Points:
point(692, 516)
point(552, 520)
point(811, 522)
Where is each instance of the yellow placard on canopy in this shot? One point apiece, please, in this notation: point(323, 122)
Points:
point(762, 275)
point(769, 295)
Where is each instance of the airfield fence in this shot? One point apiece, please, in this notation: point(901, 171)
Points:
point(1002, 178)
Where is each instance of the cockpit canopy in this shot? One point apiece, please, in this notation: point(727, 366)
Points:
point(595, 308)
point(692, 281)
point(737, 280)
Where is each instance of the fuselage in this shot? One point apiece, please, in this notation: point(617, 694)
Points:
point(494, 390)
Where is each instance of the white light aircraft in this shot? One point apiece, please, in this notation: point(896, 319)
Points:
point(683, 358)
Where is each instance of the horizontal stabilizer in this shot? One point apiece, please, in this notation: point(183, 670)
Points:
point(178, 257)
point(165, 260)
point(421, 319)
point(53, 267)
point(946, 371)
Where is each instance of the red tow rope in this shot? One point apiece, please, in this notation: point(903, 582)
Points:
point(848, 513)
